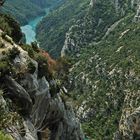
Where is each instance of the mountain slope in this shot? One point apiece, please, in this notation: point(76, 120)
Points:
point(51, 31)
point(22, 10)
point(26, 10)
point(46, 3)
point(104, 82)
point(105, 75)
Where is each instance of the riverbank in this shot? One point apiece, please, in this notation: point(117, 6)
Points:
point(30, 29)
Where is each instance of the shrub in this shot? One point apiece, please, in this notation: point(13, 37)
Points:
point(3, 53)
point(13, 53)
point(41, 59)
point(3, 35)
point(4, 68)
point(31, 52)
point(31, 67)
point(8, 39)
point(9, 115)
point(42, 66)
point(63, 66)
point(2, 45)
point(5, 136)
point(35, 46)
point(10, 27)
point(42, 69)
point(29, 49)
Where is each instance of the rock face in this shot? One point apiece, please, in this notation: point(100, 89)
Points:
point(15, 90)
point(130, 120)
point(69, 45)
point(39, 109)
point(137, 16)
point(92, 2)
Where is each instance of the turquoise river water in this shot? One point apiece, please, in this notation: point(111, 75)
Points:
point(29, 29)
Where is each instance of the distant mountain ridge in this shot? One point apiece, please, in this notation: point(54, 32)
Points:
point(26, 10)
point(22, 10)
point(103, 45)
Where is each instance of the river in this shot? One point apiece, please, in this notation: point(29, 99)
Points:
point(29, 29)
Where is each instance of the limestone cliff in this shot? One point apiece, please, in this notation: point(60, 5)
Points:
point(39, 112)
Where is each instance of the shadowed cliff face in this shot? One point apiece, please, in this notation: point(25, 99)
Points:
point(45, 111)
point(39, 108)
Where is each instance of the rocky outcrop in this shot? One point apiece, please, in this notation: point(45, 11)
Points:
point(69, 45)
point(137, 16)
point(17, 92)
point(48, 112)
point(92, 3)
point(129, 127)
point(38, 107)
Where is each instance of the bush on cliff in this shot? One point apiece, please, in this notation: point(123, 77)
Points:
point(5, 136)
point(13, 53)
point(4, 68)
point(10, 27)
point(42, 66)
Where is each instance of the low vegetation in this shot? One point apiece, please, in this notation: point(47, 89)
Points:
point(4, 68)
point(31, 67)
point(10, 27)
point(106, 71)
point(5, 136)
point(12, 53)
point(8, 116)
point(105, 65)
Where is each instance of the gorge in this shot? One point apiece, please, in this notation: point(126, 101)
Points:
point(83, 80)
point(30, 29)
